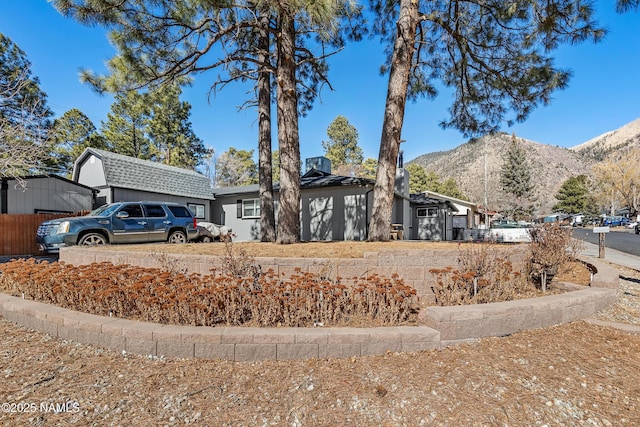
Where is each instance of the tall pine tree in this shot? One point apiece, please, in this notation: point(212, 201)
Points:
point(517, 184)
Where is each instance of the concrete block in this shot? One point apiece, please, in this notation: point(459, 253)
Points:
point(201, 334)
point(338, 350)
point(169, 333)
point(140, 346)
point(213, 351)
point(139, 330)
point(311, 335)
point(373, 348)
point(348, 336)
point(239, 335)
point(275, 336)
point(175, 349)
point(68, 332)
point(296, 351)
point(89, 337)
point(49, 328)
point(255, 352)
point(114, 342)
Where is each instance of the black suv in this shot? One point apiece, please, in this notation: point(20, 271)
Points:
point(124, 222)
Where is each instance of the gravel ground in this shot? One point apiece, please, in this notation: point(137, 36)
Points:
point(576, 374)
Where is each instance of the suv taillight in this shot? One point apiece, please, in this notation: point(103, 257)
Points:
point(195, 222)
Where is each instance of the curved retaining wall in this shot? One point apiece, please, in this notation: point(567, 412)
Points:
point(412, 266)
point(444, 326)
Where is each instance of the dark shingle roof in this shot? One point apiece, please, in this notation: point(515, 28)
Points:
point(128, 172)
point(312, 179)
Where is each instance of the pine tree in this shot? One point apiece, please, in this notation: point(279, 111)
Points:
point(342, 147)
point(517, 185)
point(172, 138)
point(126, 127)
point(71, 134)
point(574, 196)
point(494, 55)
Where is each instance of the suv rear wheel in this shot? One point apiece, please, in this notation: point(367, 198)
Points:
point(177, 236)
point(92, 239)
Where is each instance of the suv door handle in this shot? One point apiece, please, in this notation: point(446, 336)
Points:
point(142, 222)
point(166, 222)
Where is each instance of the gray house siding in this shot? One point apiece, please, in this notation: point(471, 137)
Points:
point(327, 213)
point(91, 172)
point(334, 213)
point(44, 194)
point(437, 227)
point(225, 212)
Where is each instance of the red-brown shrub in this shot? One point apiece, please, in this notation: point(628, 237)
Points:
point(219, 298)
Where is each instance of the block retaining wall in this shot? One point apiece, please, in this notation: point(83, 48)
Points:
point(444, 326)
point(412, 266)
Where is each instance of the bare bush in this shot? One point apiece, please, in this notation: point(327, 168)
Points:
point(552, 247)
point(484, 274)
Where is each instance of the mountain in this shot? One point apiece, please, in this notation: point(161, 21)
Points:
point(608, 143)
point(550, 167)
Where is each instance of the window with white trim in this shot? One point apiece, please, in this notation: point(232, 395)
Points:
point(427, 212)
point(196, 210)
point(251, 208)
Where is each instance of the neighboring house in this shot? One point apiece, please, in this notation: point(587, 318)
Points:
point(465, 214)
point(432, 218)
point(120, 178)
point(44, 194)
point(334, 207)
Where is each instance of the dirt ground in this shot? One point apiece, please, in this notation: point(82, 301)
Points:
point(577, 374)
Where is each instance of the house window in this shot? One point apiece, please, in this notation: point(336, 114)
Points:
point(427, 212)
point(251, 208)
point(197, 210)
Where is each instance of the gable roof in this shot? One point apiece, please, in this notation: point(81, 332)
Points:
point(128, 172)
point(312, 179)
point(424, 199)
point(433, 194)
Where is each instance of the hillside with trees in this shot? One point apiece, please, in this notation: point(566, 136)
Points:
point(549, 167)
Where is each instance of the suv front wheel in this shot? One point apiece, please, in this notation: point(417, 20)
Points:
point(177, 236)
point(92, 239)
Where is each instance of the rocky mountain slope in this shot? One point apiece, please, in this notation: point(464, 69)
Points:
point(550, 165)
point(609, 143)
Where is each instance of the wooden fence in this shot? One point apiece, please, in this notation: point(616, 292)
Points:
point(18, 232)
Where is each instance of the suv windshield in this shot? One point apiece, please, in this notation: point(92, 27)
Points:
point(105, 210)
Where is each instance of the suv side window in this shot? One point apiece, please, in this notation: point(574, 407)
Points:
point(180, 211)
point(154, 211)
point(134, 211)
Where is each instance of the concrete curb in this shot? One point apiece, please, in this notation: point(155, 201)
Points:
point(445, 326)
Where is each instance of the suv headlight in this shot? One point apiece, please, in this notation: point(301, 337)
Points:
point(63, 227)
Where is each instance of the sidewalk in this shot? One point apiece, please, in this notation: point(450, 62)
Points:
point(613, 256)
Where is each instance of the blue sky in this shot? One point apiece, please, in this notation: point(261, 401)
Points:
point(603, 94)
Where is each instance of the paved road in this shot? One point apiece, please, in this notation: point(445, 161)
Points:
point(621, 239)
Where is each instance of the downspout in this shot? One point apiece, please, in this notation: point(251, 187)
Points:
point(4, 188)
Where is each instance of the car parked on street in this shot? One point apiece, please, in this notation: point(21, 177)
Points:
point(614, 221)
point(123, 222)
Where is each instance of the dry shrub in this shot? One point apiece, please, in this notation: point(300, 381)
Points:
point(552, 248)
point(484, 275)
point(220, 298)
